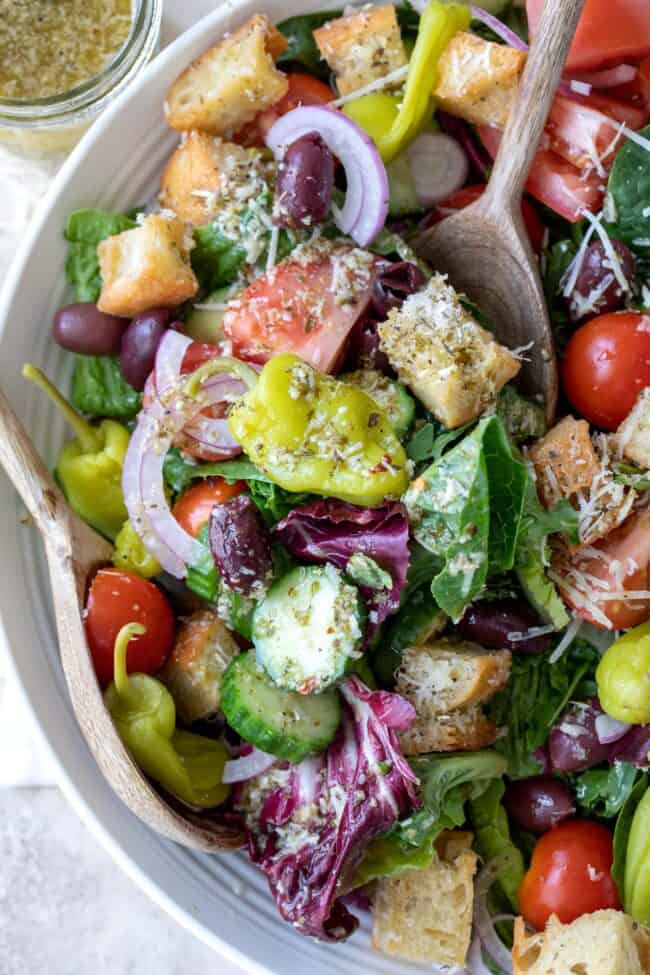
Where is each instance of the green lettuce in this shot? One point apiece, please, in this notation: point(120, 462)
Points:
point(628, 191)
point(492, 838)
point(83, 231)
point(179, 473)
point(603, 792)
point(100, 389)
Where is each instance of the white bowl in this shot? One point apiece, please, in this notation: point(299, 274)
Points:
point(223, 900)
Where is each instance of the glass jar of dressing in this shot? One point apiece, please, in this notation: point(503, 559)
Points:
point(63, 61)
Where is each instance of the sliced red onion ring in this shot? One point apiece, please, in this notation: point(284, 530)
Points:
point(608, 729)
point(366, 201)
point(247, 766)
point(439, 167)
point(484, 924)
point(169, 360)
point(499, 28)
point(609, 77)
point(213, 432)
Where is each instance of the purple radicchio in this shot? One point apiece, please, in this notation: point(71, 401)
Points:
point(394, 282)
point(333, 531)
point(309, 824)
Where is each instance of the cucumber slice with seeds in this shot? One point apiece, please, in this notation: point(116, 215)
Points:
point(391, 396)
point(282, 723)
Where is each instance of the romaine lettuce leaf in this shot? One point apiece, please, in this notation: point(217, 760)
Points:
point(100, 389)
point(603, 792)
point(83, 231)
point(492, 838)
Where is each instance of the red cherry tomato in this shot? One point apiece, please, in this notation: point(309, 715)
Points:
point(569, 875)
point(468, 194)
point(116, 598)
point(303, 90)
point(193, 508)
point(606, 365)
point(198, 353)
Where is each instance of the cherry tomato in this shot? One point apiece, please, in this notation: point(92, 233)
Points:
point(569, 874)
point(198, 353)
point(193, 508)
point(623, 564)
point(635, 112)
point(555, 182)
point(294, 309)
point(579, 128)
point(303, 90)
point(115, 598)
point(607, 34)
point(468, 194)
point(606, 365)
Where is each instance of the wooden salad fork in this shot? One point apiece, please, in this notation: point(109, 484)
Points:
point(484, 248)
point(74, 551)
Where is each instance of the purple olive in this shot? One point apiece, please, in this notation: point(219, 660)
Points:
point(241, 546)
point(573, 743)
point(84, 329)
point(305, 183)
point(139, 345)
point(538, 804)
point(493, 623)
point(592, 294)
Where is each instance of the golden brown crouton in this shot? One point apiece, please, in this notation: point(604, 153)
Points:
point(565, 461)
point(633, 435)
point(453, 366)
point(202, 651)
point(603, 943)
point(145, 267)
point(231, 82)
point(477, 80)
point(361, 48)
point(426, 915)
point(205, 175)
point(447, 682)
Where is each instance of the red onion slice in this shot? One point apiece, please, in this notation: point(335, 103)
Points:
point(609, 77)
point(169, 360)
point(609, 730)
point(483, 923)
point(247, 766)
point(499, 28)
point(214, 433)
point(439, 167)
point(366, 201)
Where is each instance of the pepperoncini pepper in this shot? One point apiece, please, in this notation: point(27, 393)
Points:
point(438, 24)
point(131, 555)
point(186, 765)
point(310, 432)
point(89, 468)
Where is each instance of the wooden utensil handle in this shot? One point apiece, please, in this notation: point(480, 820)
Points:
point(542, 74)
point(26, 470)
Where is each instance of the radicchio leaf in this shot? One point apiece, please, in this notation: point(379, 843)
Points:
point(333, 531)
point(309, 824)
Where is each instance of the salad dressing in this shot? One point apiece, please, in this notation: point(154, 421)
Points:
point(48, 48)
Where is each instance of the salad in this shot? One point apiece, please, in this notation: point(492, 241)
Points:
point(365, 601)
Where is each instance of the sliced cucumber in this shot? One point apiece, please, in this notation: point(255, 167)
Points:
point(307, 628)
point(402, 198)
point(282, 723)
point(391, 396)
point(205, 324)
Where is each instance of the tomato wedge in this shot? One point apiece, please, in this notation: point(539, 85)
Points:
point(580, 133)
point(303, 90)
point(554, 181)
point(194, 506)
point(618, 108)
point(306, 308)
point(468, 194)
point(619, 562)
point(607, 33)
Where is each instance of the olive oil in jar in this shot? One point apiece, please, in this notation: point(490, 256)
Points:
point(48, 47)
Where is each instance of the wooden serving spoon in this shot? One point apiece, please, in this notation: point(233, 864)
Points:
point(74, 551)
point(485, 248)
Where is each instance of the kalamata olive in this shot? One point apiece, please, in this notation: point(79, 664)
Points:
point(573, 743)
point(597, 289)
point(241, 546)
point(499, 624)
point(139, 344)
point(538, 804)
point(305, 182)
point(84, 329)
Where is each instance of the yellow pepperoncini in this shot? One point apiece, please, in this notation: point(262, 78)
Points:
point(131, 555)
point(89, 468)
point(310, 432)
point(438, 24)
point(186, 765)
point(374, 113)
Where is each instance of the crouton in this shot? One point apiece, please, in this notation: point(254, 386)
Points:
point(231, 82)
point(447, 682)
point(206, 175)
point(477, 80)
point(633, 435)
point(145, 267)
point(362, 48)
point(202, 651)
point(565, 461)
point(426, 915)
point(453, 366)
point(603, 943)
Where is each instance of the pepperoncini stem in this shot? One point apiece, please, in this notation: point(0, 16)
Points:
point(122, 640)
point(89, 438)
point(224, 364)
